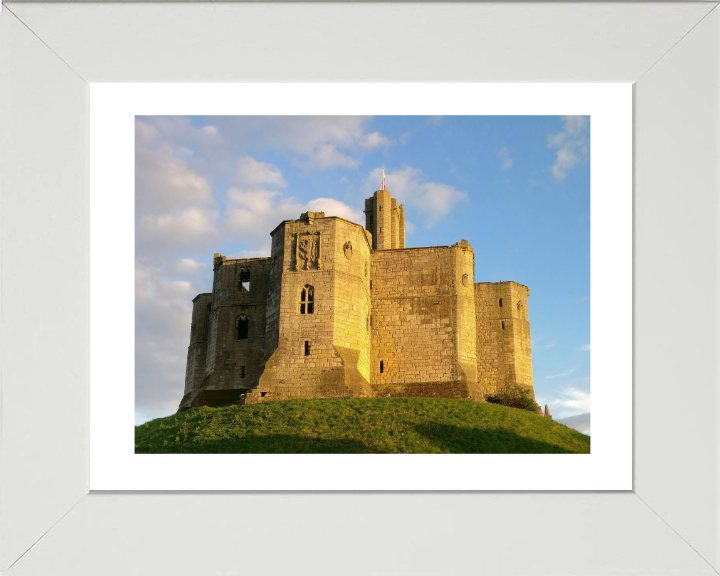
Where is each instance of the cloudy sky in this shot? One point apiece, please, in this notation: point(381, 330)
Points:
point(516, 187)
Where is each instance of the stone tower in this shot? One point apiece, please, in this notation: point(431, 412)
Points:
point(385, 221)
point(317, 335)
point(503, 335)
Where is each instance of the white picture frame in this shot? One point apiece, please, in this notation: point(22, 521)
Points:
point(49, 523)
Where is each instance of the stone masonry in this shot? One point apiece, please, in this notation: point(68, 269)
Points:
point(338, 310)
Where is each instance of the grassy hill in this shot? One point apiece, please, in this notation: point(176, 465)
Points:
point(359, 425)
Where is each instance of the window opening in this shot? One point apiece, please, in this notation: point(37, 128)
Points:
point(381, 366)
point(307, 300)
point(370, 284)
point(307, 347)
point(502, 324)
point(242, 371)
point(500, 302)
point(263, 394)
point(244, 279)
point(242, 325)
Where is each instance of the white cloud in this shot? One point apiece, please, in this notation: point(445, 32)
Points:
point(252, 214)
point(562, 374)
point(164, 182)
point(506, 161)
point(570, 402)
point(189, 263)
point(333, 207)
point(585, 347)
point(326, 156)
point(313, 142)
point(172, 233)
point(174, 205)
point(254, 173)
point(409, 227)
point(374, 140)
point(163, 309)
point(410, 186)
point(572, 145)
point(550, 344)
point(144, 133)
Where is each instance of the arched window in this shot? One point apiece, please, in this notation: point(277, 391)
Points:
point(241, 327)
point(307, 300)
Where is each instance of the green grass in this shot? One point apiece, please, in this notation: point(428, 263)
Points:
point(359, 425)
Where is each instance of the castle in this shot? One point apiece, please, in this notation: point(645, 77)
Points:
point(338, 310)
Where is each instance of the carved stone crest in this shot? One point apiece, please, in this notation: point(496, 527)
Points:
point(348, 249)
point(308, 251)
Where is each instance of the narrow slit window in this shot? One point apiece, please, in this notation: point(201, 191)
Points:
point(380, 208)
point(380, 229)
point(307, 347)
point(370, 284)
point(242, 371)
point(382, 366)
point(502, 325)
point(242, 325)
point(500, 302)
point(307, 300)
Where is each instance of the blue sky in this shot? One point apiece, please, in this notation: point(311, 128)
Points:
point(516, 187)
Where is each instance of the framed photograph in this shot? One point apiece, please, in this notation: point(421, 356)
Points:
point(597, 133)
point(73, 497)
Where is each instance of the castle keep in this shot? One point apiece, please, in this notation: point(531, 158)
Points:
point(338, 310)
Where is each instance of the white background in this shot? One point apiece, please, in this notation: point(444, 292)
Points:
point(49, 523)
point(114, 466)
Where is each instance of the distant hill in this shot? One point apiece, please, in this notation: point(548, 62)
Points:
point(581, 422)
point(359, 425)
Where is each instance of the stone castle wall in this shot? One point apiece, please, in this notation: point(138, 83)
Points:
point(199, 334)
point(419, 311)
point(232, 359)
point(384, 321)
point(324, 353)
point(503, 335)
